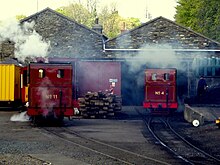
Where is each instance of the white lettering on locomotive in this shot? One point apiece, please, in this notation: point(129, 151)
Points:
point(159, 93)
point(50, 96)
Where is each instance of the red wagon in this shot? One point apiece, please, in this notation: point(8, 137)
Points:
point(160, 90)
point(50, 90)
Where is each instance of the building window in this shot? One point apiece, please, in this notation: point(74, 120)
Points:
point(201, 71)
point(209, 71)
point(60, 73)
point(217, 71)
point(208, 66)
point(41, 73)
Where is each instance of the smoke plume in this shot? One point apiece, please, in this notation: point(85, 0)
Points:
point(149, 56)
point(28, 43)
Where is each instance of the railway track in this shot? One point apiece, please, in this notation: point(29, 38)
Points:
point(166, 136)
point(108, 152)
point(111, 153)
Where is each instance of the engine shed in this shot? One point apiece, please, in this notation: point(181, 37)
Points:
point(158, 43)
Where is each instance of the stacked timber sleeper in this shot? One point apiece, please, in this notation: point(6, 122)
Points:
point(99, 105)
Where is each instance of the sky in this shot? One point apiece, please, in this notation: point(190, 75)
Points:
point(126, 8)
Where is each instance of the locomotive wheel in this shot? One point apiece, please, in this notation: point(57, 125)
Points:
point(35, 120)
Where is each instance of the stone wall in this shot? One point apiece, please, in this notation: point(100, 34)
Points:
point(6, 49)
point(161, 31)
point(67, 38)
point(162, 37)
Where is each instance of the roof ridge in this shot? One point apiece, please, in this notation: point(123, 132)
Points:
point(157, 18)
point(63, 16)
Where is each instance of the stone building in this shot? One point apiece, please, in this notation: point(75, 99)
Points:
point(67, 37)
point(161, 31)
point(163, 43)
point(6, 49)
point(157, 43)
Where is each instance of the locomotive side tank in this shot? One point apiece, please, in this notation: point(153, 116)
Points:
point(50, 90)
point(160, 90)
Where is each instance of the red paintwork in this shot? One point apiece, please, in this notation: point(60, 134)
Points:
point(50, 94)
point(156, 104)
point(160, 94)
point(96, 76)
point(93, 75)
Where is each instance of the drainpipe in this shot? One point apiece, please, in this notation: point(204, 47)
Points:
point(177, 50)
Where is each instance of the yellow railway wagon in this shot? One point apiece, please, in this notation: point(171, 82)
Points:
point(10, 84)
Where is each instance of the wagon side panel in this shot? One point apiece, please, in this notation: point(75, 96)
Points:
point(97, 76)
point(7, 83)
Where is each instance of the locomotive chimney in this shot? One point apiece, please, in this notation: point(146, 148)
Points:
point(40, 60)
point(97, 27)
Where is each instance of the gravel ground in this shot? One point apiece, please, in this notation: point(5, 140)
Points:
point(17, 139)
point(206, 136)
point(21, 143)
point(10, 159)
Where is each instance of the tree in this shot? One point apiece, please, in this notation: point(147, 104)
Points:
point(20, 17)
point(201, 16)
point(113, 23)
point(77, 12)
point(110, 19)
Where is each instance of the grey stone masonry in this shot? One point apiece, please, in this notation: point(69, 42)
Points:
point(159, 32)
point(6, 49)
point(67, 38)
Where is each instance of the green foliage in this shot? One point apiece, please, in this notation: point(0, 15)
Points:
point(202, 16)
point(20, 17)
point(109, 18)
point(77, 12)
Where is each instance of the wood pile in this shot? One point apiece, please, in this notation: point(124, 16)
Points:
point(99, 105)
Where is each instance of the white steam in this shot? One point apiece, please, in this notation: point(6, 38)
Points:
point(20, 117)
point(152, 56)
point(157, 56)
point(44, 93)
point(28, 43)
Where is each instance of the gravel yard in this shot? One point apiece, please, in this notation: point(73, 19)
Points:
point(21, 143)
point(206, 136)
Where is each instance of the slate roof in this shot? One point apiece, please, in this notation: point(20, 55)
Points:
point(67, 37)
point(35, 15)
point(162, 31)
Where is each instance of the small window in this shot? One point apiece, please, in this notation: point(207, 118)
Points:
point(217, 71)
point(209, 71)
point(201, 71)
point(41, 73)
point(25, 77)
point(217, 61)
point(154, 76)
point(166, 76)
point(60, 73)
point(213, 61)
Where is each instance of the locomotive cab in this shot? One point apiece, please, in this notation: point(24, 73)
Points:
point(50, 90)
point(160, 91)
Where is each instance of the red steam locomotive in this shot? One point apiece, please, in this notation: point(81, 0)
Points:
point(50, 90)
point(160, 91)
